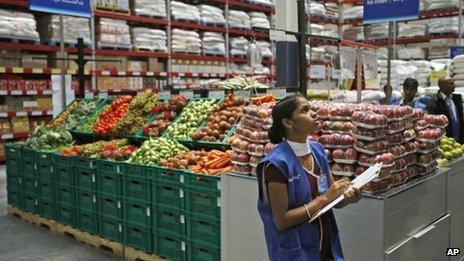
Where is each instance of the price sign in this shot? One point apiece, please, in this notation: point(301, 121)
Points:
point(3, 92)
point(188, 94)
point(8, 136)
point(89, 95)
point(2, 70)
point(164, 95)
point(16, 92)
point(317, 72)
point(103, 95)
point(21, 113)
point(244, 94)
point(18, 70)
point(219, 95)
point(36, 113)
point(105, 73)
point(56, 71)
point(278, 93)
point(121, 73)
point(37, 70)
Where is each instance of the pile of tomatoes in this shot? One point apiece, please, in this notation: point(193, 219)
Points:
point(109, 118)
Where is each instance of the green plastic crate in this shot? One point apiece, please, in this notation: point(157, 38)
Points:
point(28, 169)
point(109, 166)
point(109, 207)
point(203, 205)
point(12, 158)
point(28, 154)
point(85, 179)
point(203, 183)
point(169, 222)
point(204, 233)
point(84, 162)
point(44, 165)
point(111, 229)
point(134, 169)
point(199, 253)
point(30, 186)
point(46, 190)
point(30, 204)
point(138, 237)
point(15, 198)
point(87, 221)
point(169, 176)
point(170, 247)
point(66, 196)
point(136, 188)
point(66, 215)
point(169, 196)
point(109, 184)
point(47, 208)
point(14, 182)
point(86, 201)
point(137, 213)
point(64, 175)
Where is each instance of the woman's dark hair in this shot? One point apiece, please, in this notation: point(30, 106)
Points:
point(410, 82)
point(282, 110)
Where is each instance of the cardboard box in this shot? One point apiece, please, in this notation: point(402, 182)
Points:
point(44, 103)
point(10, 58)
point(28, 60)
point(155, 65)
point(119, 63)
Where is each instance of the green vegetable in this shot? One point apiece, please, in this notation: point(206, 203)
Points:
point(48, 139)
point(156, 149)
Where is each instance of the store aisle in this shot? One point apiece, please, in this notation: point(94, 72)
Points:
point(23, 241)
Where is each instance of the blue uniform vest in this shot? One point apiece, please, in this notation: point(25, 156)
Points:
point(302, 241)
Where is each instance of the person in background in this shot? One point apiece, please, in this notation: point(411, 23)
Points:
point(449, 104)
point(388, 90)
point(410, 86)
point(294, 183)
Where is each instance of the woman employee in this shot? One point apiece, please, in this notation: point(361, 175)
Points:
point(294, 184)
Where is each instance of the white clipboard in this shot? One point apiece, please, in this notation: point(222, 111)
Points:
point(367, 176)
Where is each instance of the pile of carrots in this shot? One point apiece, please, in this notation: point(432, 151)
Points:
point(215, 163)
point(268, 98)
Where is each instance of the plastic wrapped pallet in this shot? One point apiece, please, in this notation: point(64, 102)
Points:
point(412, 29)
point(238, 46)
point(213, 43)
point(262, 2)
point(444, 25)
point(265, 48)
point(457, 71)
point(211, 14)
point(182, 11)
point(315, 9)
point(354, 33)
point(152, 8)
point(376, 31)
point(317, 54)
point(353, 12)
point(239, 19)
point(423, 72)
point(114, 33)
point(406, 53)
point(18, 25)
point(259, 19)
point(330, 30)
point(119, 5)
point(400, 70)
point(332, 10)
point(149, 39)
point(382, 53)
point(441, 4)
point(185, 41)
point(76, 27)
point(440, 48)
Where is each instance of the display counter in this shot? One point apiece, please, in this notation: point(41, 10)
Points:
point(418, 220)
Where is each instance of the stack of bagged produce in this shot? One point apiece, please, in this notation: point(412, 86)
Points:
point(252, 143)
point(336, 137)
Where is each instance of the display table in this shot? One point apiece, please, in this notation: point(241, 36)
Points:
point(415, 221)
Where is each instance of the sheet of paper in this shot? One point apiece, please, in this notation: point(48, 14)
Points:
point(366, 177)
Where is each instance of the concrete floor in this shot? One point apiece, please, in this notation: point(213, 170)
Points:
point(23, 241)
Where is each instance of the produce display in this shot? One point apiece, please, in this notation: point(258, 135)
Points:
point(94, 149)
point(48, 139)
point(240, 83)
point(109, 118)
point(87, 125)
point(191, 117)
point(154, 150)
point(221, 120)
point(212, 162)
point(74, 114)
point(165, 114)
point(449, 149)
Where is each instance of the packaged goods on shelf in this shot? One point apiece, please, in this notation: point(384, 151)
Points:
point(330, 30)
point(457, 71)
point(185, 41)
point(265, 48)
point(376, 31)
point(440, 4)
point(262, 2)
point(440, 48)
point(119, 5)
point(316, 29)
point(355, 33)
point(150, 39)
point(182, 11)
point(332, 10)
point(211, 14)
point(407, 53)
point(245, 68)
point(444, 25)
point(423, 71)
point(75, 27)
point(18, 25)
point(399, 72)
point(156, 8)
point(114, 33)
point(239, 19)
point(20, 124)
point(10, 58)
point(14, 84)
point(317, 53)
point(5, 126)
point(315, 9)
point(412, 29)
point(353, 12)
point(238, 46)
point(259, 19)
point(213, 43)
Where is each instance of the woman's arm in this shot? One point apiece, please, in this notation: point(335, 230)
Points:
point(284, 217)
point(351, 196)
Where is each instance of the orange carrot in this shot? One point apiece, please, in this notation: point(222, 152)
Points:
point(221, 164)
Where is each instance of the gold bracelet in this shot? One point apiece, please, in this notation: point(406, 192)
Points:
point(321, 200)
point(307, 211)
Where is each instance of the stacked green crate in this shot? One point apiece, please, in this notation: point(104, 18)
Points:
point(168, 205)
point(204, 219)
point(14, 175)
point(109, 199)
point(137, 207)
point(29, 180)
point(46, 185)
point(66, 211)
point(86, 193)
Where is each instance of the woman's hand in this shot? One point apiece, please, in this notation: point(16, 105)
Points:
point(352, 195)
point(337, 189)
